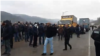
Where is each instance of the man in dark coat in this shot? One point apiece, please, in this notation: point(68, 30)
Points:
point(7, 35)
point(77, 30)
point(26, 33)
point(11, 40)
point(41, 30)
point(35, 31)
point(96, 37)
point(67, 33)
point(31, 34)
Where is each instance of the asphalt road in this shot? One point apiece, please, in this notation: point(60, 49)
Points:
point(92, 47)
point(82, 46)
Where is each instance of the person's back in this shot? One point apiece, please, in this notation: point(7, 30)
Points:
point(41, 29)
point(96, 37)
point(7, 35)
point(60, 30)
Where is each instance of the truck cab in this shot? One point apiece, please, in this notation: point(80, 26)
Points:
point(71, 20)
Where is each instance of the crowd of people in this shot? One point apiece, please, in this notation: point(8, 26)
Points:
point(32, 32)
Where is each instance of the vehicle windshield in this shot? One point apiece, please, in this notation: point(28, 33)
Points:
point(65, 21)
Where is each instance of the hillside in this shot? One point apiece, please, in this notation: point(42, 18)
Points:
point(32, 18)
point(24, 18)
point(36, 19)
point(8, 16)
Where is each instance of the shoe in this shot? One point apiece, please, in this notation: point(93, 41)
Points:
point(4, 53)
point(43, 53)
point(51, 53)
point(64, 49)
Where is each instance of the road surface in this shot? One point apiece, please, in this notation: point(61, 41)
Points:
point(81, 47)
point(92, 48)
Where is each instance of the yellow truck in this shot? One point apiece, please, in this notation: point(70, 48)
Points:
point(68, 19)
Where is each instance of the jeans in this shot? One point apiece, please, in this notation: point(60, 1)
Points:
point(16, 35)
point(50, 40)
point(60, 35)
point(41, 36)
point(26, 36)
point(31, 38)
point(7, 46)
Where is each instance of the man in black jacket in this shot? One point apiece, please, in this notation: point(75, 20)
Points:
point(67, 33)
point(30, 34)
point(12, 35)
point(35, 31)
point(77, 30)
point(26, 33)
point(96, 37)
point(41, 33)
point(49, 38)
point(7, 35)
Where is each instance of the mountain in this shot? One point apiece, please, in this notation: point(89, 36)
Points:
point(24, 18)
point(36, 19)
point(8, 16)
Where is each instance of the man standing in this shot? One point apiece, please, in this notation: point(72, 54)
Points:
point(96, 37)
point(60, 33)
point(26, 33)
point(7, 35)
point(77, 30)
point(35, 31)
point(41, 33)
point(49, 38)
point(30, 34)
point(12, 35)
point(67, 34)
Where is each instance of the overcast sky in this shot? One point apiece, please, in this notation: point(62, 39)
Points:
point(52, 9)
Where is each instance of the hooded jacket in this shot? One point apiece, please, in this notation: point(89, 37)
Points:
point(7, 30)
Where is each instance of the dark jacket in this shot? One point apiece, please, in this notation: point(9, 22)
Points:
point(77, 30)
point(7, 33)
point(31, 32)
point(35, 30)
point(41, 30)
point(54, 31)
point(96, 35)
point(26, 29)
point(49, 31)
point(16, 29)
point(72, 29)
point(7, 30)
point(67, 33)
point(60, 30)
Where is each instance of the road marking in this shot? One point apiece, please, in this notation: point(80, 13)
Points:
point(89, 43)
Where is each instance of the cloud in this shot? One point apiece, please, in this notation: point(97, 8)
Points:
point(52, 9)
